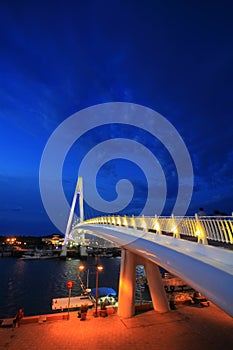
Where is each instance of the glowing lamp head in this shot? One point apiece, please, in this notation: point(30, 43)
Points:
point(81, 267)
point(198, 233)
point(174, 229)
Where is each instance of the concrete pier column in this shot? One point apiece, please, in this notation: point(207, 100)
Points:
point(127, 284)
point(157, 292)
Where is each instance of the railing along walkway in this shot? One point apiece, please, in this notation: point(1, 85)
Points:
point(210, 230)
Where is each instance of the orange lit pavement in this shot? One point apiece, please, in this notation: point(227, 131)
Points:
point(183, 329)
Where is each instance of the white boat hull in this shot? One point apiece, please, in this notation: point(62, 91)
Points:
point(75, 302)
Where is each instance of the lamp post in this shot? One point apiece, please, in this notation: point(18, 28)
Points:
point(98, 268)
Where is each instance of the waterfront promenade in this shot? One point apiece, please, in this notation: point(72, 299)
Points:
point(186, 328)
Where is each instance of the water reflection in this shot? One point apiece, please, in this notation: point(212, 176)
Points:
point(33, 284)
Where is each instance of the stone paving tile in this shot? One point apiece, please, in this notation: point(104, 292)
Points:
point(186, 328)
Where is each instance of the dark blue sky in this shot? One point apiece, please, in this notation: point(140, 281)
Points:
point(58, 57)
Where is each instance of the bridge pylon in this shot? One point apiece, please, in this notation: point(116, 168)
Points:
point(78, 191)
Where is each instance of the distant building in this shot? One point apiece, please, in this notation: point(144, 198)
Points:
point(56, 240)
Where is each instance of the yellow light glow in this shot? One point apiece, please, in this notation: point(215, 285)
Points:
point(174, 229)
point(100, 268)
point(81, 267)
point(157, 227)
point(144, 226)
point(11, 240)
point(197, 233)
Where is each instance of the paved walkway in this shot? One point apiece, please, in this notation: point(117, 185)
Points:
point(186, 328)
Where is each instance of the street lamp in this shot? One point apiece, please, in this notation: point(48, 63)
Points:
point(98, 268)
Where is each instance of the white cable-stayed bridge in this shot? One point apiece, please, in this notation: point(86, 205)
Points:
point(199, 250)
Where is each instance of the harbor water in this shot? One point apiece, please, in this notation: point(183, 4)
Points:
point(32, 284)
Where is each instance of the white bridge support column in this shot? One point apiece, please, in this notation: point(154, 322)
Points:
point(127, 284)
point(157, 291)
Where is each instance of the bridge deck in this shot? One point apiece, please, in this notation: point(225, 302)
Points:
point(205, 268)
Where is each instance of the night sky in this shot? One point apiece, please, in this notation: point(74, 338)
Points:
point(60, 57)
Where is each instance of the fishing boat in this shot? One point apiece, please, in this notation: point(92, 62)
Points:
point(35, 255)
point(106, 295)
point(75, 302)
point(72, 302)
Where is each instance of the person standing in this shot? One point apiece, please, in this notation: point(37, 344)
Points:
point(18, 317)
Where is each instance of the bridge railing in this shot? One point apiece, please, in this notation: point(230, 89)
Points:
point(202, 229)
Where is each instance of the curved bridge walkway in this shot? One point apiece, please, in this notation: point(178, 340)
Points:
point(199, 250)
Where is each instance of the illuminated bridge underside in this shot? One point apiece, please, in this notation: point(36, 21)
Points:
point(206, 268)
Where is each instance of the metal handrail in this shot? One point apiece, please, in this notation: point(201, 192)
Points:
point(202, 229)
